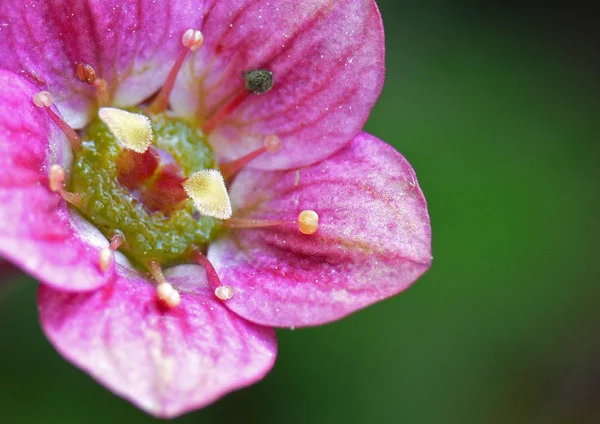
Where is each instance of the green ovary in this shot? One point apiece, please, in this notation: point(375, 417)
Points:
point(112, 208)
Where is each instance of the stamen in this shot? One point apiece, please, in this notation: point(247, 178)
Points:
point(86, 73)
point(168, 294)
point(107, 254)
point(45, 100)
point(207, 189)
point(259, 81)
point(101, 92)
point(132, 130)
point(229, 170)
point(105, 259)
point(307, 223)
point(191, 40)
point(57, 183)
point(224, 292)
point(221, 291)
point(164, 290)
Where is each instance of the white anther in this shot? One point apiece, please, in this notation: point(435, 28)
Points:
point(224, 292)
point(56, 177)
point(308, 222)
point(105, 259)
point(168, 294)
point(132, 130)
point(207, 189)
point(43, 99)
point(272, 143)
point(192, 39)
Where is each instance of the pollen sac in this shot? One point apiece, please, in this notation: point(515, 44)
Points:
point(308, 222)
point(132, 130)
point(207, 189)
point(224, 292)
point(85, 73)
point(43, 99)
point(259, 81)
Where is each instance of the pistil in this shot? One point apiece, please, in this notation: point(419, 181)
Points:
point(45, 100)
point(191, 40)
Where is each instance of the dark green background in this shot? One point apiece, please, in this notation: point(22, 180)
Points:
point(498, 110)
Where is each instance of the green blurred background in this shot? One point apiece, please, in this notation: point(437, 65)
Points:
point(497, 109)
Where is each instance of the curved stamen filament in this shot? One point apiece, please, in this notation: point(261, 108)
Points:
point(191, 41)
point(229, 170)
point(164, 290)
point(56, 178)
point(45, 100)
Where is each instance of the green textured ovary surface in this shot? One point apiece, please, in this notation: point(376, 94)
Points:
point(111, 207)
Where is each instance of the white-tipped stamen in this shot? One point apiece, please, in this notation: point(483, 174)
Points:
point(105, 259)
point(56, 181)
point(132, 130)
point(168, 294)
point(224, 292)
point(308, 222)
point(192, 39)
point(272, 144)
point(45, 100)
point(107, 253)
point(207, 189)
point(164, 290)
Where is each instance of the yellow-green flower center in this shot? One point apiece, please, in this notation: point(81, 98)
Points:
point(140, 195)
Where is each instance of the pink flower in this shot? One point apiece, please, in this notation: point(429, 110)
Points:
point(166, 307)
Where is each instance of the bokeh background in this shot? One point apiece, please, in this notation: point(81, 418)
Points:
point(498, 109)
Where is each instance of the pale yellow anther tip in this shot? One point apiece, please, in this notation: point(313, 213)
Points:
point(168, 294)
point(132, 130)
point(43, 99)
point(308, 222)
point(224, 292)
point(207, 190)
point(105, 259)
point(192, 39)
point(56, 177)
point(272, 143)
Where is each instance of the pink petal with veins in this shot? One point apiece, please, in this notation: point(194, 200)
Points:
point(37, 233)
point(131, 44)
point(373, 239)
point(166, 361)
point(327, 58)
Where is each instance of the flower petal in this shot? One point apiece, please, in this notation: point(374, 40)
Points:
point(327, 58)
point(165, 361)
point(132, 45)
point(373, 239)
point(37, 233)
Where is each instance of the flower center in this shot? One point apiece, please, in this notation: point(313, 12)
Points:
point(140, 195)
point(150, 183)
